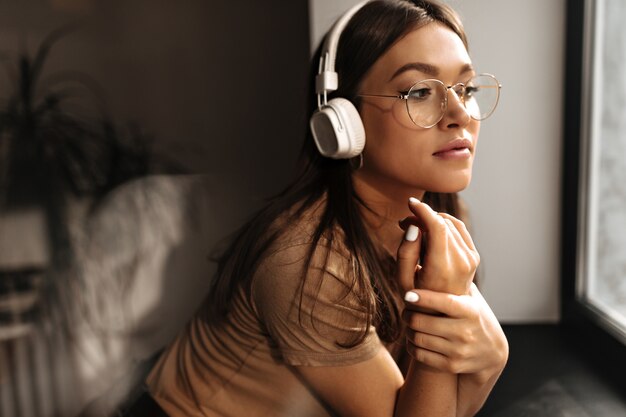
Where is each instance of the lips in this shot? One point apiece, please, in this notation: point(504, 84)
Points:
point(457, 147)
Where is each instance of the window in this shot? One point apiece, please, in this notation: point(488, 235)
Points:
point(594, 180)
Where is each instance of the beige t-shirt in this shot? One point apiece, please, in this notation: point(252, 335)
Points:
point(246, 367)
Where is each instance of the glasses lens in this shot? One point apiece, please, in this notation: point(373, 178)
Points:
point(426, 102)
point(481, 96)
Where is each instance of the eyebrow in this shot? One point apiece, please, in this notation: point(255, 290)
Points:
point(428, 69)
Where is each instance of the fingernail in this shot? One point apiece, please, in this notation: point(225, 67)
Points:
point(411, 297)
point(414, 200)
point(411, 233)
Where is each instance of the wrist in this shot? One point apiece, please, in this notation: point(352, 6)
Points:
point(456, 288)
point(486, 376)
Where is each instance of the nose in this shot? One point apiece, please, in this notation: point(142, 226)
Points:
point(456, 114)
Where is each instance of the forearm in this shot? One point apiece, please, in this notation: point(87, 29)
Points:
point(473, 390)
point(473, 345)
point(427, 391)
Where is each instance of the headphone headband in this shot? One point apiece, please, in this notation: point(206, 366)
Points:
point(326, 80)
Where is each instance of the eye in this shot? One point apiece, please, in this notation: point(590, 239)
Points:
point(419, 94)
point(470, 90)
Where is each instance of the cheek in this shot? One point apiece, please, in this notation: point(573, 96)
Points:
point(385, 115)
point(394, 148)
point(474, 130)
point(387, 135)
point(400, 154)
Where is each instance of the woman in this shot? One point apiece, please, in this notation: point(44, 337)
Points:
point(352, 292)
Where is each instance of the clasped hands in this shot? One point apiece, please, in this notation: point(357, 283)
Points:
point(450, 326)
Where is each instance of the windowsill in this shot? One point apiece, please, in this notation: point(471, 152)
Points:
point(547, 376)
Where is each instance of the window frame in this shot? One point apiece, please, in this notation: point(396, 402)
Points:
point(588, 331)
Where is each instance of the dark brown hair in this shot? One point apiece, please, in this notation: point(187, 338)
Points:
point(368, 35)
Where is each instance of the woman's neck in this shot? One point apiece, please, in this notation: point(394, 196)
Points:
point(387, 204)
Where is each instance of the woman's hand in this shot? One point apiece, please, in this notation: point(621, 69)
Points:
point(449, 258)
point(465, 339)
point(450, 327)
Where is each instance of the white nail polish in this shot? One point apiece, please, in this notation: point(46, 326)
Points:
point(411, 233)
point(414, 200)
point(411, 297)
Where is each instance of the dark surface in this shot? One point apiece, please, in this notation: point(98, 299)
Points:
point(547, 375)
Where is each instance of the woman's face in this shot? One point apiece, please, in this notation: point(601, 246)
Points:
point(398, 154)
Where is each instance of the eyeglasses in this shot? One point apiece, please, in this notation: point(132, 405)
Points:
point(427, 100)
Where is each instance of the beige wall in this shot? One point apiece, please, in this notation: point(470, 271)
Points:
point(220, 85)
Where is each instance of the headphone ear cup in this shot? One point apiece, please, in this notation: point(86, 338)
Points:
point(338, 129)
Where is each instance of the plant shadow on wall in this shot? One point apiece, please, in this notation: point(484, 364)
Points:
point(58, 146)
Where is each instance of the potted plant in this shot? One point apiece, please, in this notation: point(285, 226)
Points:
point(52, 155)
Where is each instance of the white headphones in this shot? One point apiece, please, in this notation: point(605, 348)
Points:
point(336, 125)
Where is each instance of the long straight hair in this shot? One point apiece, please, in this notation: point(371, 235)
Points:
point(368, 35)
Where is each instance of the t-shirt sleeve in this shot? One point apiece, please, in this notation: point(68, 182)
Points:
point(312, 314)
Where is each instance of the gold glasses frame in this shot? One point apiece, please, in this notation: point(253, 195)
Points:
point(459, 90)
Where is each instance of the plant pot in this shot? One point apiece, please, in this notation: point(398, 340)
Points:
point(24, 258)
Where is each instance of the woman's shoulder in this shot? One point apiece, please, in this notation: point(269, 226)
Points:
point(299, 231)
point(306, 293)
point(303, 246)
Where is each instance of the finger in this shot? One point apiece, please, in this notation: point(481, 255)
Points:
point(462, 229)
point(426, 218)
point(431, 342)
point(407, 258)
point(441, 326)
point(406, 222)
point(449, 304)
point(429, 358)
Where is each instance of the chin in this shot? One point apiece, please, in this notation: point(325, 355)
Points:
point(451, 186)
